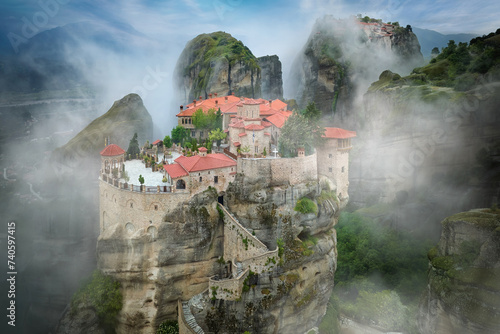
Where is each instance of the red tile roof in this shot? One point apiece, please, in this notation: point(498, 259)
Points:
point(242, 134)
point(112, 150)
point(156, 141)
point(267, 134)
point(338, 133)
point(237, 143)
point(175, 170)
point(199, 163)
point(279, 118)
point(254, 127)
point(202, 149)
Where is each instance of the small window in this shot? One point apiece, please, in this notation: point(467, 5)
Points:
point(342, 169)
point(208, 172)
point(131, 204)
point(231, 169)
point(330, 169)
point(201, 134)
point(156, 207)
point(201, 179)
point(193, 133)
point(330, 155)
point(216, 179)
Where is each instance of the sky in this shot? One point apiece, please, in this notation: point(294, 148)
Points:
point(267, 27)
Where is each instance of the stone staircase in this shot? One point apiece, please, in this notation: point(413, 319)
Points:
point(190, 319)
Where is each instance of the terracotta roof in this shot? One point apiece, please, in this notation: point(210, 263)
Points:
point(254, 127)
point(338, 133)
point(112, 150)
point(199, 163)
point(237, 143)
point(202, 149)
point(175, 170)
point(156, 141)
point(251, 102)
point(279, 118)
point(242, 134)
point(267, 134)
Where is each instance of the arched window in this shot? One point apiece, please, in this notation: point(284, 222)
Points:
point(180, 184)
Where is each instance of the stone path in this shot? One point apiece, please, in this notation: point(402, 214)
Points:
point(191, 321)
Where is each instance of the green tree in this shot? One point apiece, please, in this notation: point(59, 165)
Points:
point(133, 146)
point(217, 135)
point(179, 134)
point(311, 112)
point(168, 327)
point(205, 121)
point(299, 131)
point(435, 51)
point(141, 179)
point(218, 119)
point(101, 293)
point(167, 142)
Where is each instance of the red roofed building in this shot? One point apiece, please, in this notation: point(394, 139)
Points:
point(197, 173)
point(333, 158)
point(229, 107)
point(112, 158)
point(248, 130)
point(277, 121)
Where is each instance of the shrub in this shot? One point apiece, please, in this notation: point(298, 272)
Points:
point(101, 293)
point(305, 205)
point(168, 327)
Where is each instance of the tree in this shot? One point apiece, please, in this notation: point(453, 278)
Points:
point(435, 52)
point(217, 135)
point(167, 142)
point(218, 119)
point(133, 146)
point(141, 179)
point(311, 112)
point(206, 120)
point(179, 134)
point(299, 131)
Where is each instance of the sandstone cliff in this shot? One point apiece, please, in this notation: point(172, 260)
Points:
point(292, 298)
point(463, 294)
point(218, 63)
point(342, 57)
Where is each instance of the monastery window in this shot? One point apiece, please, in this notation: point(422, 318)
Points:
point(193, 133)
point(208, 172)
point(216, 179)
point(156, 207)
point(330, 155)
point(131, 205)
point(330, 169)
point(201, 134)
point(180, 184)
point(190, 120)
point(343, 169)
point(182, 120)
point(201, 179)
point(231, 169)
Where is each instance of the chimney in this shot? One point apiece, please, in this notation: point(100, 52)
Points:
point(194, 101)
point(225, 99)
point(232, 93)
point(200, 98)
point(182, 107)
point(216, 103)
point(210, 95)
point(301, 152)
point(270, 103)
point(202, 151)
point(215, 94)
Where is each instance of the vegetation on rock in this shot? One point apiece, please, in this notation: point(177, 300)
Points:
point(101, 293)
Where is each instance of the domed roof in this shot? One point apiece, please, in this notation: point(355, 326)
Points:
point(112, 150)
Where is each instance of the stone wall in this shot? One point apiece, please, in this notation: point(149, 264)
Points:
point(184, 327)
point(133, 211)
point(278, 171)
point(224, 175)
point(262, 263)
point(239, 244)
point(228, 289)
point(333, 163)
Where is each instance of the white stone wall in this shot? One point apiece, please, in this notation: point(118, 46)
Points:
point(281, 170)
point(333, 163)
point(136, 212)
point(228, 289)
point(225, 175)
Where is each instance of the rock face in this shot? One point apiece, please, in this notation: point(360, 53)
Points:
point(342, 57)
point(271, 77)
point(126, 117)
point(218, 63)
point(292, 298)
point(165, 261)
point(463, 294)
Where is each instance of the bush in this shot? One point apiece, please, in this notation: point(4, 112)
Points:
point(305, 205)
point(168, 327)
point(101, 293)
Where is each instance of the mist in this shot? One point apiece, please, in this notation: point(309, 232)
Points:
point(82, 58)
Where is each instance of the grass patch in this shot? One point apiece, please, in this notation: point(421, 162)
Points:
point(306, 205)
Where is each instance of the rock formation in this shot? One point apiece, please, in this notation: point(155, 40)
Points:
point(218, 63)
point(271, 77)
point(463, 294)
point(126, 117)
point(342, 57)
